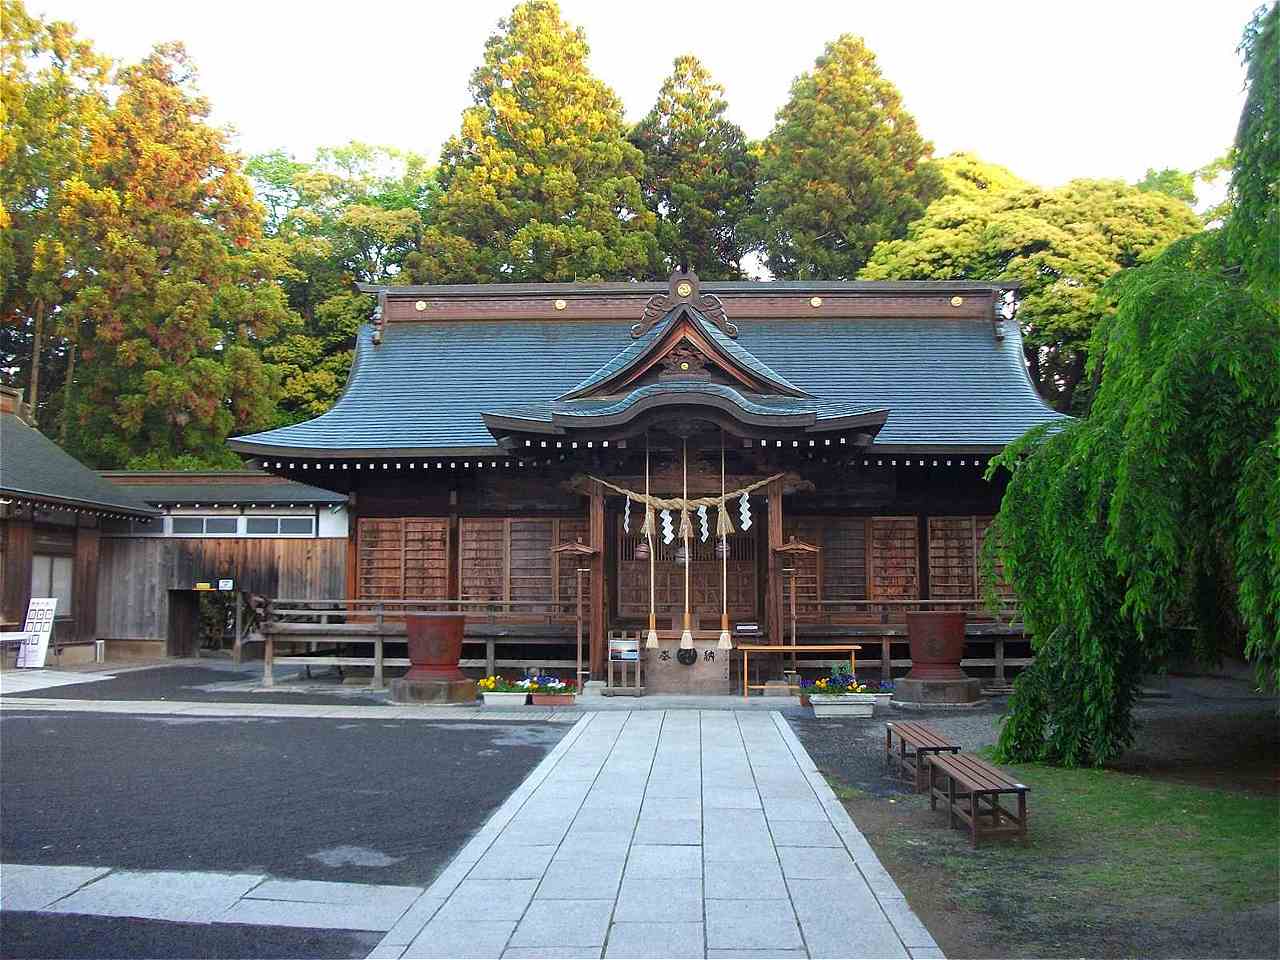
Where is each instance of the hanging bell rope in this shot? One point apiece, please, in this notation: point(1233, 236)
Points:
point(648, 531)
point(725, 642)
point(686, 530)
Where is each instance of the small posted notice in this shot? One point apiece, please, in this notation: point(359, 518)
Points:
point(39, 628)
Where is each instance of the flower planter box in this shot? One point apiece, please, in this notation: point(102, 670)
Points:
point(844, 705)
point(492, 699)
point(553, 699)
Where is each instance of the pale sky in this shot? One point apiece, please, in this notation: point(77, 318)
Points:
point(1051, 90)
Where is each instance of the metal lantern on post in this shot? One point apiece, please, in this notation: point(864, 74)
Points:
point(791, 554)
point(581, 554)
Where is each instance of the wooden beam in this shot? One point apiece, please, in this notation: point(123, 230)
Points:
point(773, 595)
point(596, 531)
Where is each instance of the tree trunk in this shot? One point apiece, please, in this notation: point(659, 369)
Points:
point(33, 382)
point(67, 387)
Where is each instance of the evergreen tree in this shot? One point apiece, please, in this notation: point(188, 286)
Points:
point(843, 169)
point(541, 182)
point(699, 174)
point(176, 291)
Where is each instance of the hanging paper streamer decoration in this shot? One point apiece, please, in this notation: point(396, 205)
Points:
point(668, 529)
point(744, 511)
point(626, 517)
point(704, 528)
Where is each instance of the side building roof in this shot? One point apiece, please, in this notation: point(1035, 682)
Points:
point(36, 471)
point(220, 487)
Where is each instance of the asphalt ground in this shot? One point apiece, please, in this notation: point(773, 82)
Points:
point(43, 935)
point(213, 684)
point(362, 801)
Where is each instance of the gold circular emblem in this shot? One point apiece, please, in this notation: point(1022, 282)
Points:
point(561, 304)
point(684, 365)
point(420, 305)
point(815, 301)
point(956, 301)
point(684, 288)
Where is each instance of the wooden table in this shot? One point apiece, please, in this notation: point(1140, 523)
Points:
point(749, 648)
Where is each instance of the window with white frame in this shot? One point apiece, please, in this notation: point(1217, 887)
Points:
point(204, 526)
point(51, 577)
point(280, 526)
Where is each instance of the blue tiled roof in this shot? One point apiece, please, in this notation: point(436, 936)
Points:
point(764, 405)
point(946, 382)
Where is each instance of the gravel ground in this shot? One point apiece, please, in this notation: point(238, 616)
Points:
point(1208, 730)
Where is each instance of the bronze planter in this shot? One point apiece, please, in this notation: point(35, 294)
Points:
point(435, 645)
point(937, 645)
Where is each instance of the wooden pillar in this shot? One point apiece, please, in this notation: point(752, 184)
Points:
point(353, 548)
point(596, 530)
point(17, 570)
point(84, 580)
point(773, 596)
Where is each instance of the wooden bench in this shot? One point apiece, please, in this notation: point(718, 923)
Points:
point(915, 742)
point(971, 789)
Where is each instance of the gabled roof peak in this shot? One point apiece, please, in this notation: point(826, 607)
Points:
point(683, 328)
point(684, 290)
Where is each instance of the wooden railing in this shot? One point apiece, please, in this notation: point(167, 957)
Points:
point(335, 623)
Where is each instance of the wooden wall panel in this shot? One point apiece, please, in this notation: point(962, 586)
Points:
point(19, 537)
point(403, 558)
point(982, 526)
point(952, 558)
point(894, 559)
point(509, 558)
point(839, 572)
point(569, 530)
point(482, 558)
point(135, 575)
point(84, 582)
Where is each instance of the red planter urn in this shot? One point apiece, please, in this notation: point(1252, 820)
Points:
point(435, 645)
point(937, 645)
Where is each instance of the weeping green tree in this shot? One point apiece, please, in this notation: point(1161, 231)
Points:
point(1150, 531)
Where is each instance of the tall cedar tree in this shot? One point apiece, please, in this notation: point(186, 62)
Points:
point(51, 91)
point(843, 169)
point(699, 174)
point(351, 215)
point(1150, 532)
point(541, 182)
point(1060, 245)
point(177, 291)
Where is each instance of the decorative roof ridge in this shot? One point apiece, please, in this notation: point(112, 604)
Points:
point(640, 289)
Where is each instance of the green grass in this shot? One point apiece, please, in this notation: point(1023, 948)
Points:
point(1112, 857)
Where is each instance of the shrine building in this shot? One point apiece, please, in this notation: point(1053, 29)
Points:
point(837, 434)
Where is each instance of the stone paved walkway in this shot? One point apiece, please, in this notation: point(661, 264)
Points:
point(666, 834)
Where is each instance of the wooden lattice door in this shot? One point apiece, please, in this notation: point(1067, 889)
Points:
point(402, 558)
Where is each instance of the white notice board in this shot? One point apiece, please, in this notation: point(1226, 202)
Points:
point(39, 627)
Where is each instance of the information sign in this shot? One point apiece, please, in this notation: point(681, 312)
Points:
point(39, 628)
